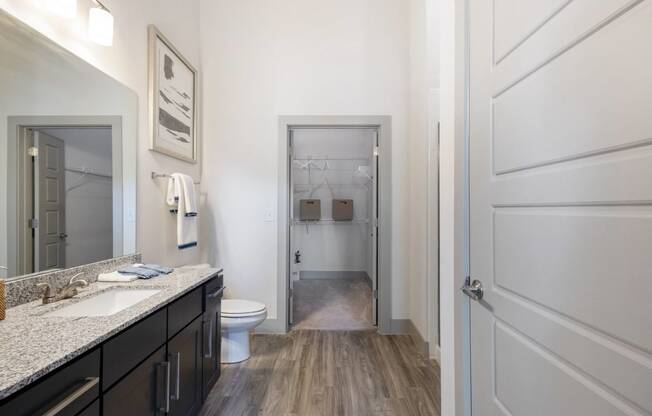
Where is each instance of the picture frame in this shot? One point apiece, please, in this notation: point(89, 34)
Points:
point(173, 100)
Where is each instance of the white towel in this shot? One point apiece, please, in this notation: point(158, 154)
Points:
point(116, 277)
point(181, 200)
point(188, 192)
point(174, 191)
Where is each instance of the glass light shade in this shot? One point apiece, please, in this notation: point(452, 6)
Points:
point(63, 8)
point(100, 26)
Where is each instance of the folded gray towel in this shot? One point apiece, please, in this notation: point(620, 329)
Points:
point(157, 268)
point(141, 272)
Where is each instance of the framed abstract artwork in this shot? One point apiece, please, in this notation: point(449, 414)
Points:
point(173, 100)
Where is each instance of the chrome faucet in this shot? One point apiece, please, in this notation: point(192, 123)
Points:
point(48, 296)
point(66, 292)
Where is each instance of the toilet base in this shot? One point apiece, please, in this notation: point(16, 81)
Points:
point(235, 347)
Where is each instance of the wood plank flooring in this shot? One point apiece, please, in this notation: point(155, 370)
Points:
point(329, 373)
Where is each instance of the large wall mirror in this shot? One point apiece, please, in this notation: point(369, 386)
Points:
point(68, 143)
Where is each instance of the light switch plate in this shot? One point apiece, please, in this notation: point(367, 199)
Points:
point(269, 215)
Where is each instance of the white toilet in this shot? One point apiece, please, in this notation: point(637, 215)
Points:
point(238, 318)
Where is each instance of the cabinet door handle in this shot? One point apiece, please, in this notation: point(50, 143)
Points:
point(90, 382)
point(209, 339)
point(177, 376)
point(165, 408)
point(217, 293)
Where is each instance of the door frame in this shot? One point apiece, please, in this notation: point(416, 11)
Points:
point(433, 291)
point(17, 126)
point(384, 126)
point(454, 204)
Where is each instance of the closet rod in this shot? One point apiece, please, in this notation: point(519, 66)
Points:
point(327, 170)
point(330, 222)
point(338, 185)
point(85, 171)
point(303, 159)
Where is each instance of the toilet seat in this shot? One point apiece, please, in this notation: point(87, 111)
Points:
point(238, 308)
point(238, 318)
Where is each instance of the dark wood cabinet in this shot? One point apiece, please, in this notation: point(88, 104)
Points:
point(183, 311)
point(143, 391)
point(184, 356)
point(212, 335)
point(92, 410)
point(124, 351)
point(66, 392)
point(158, 366)
point(169, 381)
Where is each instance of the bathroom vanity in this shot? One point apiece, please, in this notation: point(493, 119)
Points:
point(158, 356)
point(69, 137)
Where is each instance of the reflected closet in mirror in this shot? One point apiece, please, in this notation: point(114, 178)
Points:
point(68, 143)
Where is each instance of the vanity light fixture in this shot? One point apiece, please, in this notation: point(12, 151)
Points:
point(100, 25)
point(63, 8)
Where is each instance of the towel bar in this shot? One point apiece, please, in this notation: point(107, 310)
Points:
point(165, 175)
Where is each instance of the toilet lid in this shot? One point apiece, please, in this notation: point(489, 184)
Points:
point(239, 307)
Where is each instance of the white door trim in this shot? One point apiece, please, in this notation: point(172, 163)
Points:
point(432, 220)
point(384, 126)
point(454, 204)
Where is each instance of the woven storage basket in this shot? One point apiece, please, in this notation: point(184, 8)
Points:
point(3, 305)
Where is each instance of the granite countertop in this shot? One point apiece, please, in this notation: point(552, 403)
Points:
point(32, 345)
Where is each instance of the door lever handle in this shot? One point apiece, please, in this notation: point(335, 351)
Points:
point(473, 290)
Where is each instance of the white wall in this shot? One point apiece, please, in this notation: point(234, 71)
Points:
point(342, 246)
point(126, 61)
point(264, 59)
point(89, 213)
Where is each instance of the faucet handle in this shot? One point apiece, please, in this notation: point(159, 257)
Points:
point(83, 282)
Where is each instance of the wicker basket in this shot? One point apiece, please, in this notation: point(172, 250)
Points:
point(2, 300)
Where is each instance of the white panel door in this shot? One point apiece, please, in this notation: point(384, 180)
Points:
point(561, 207)
point(50, 202)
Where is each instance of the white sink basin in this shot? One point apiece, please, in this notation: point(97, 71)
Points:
point(105, 304)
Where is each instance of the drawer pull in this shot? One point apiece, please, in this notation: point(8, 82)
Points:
point(209, 339)
point(90, 383)
point(165, 365)
point(177, 393)
point(217, 293)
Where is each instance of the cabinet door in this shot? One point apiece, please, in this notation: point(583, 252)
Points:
point(184, 355)
point(212, 336)
point(183, 311)
point(123, 352)
point(143, 391)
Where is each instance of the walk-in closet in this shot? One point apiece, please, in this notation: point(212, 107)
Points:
point(333, 244)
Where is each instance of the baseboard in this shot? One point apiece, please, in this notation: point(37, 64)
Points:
point(435, 354)
point(320, 274)
point(271, 326)
point(369, 281)
point(407, 327)
point(398, 327)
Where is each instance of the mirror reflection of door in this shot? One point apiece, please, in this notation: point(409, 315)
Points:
point(70, 217)
point(49, 203)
